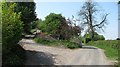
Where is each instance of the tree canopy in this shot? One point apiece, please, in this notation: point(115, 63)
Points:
point(28, 14)
point(52, 24)
point(58, 27)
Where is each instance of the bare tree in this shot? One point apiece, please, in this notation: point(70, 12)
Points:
point(88, 14)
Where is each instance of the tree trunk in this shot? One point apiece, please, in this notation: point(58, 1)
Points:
point(92, 34)
point(90, 21)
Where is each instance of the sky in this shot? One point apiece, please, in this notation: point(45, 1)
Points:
point(67, 9)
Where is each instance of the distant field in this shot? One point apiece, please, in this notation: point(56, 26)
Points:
point(110, 47)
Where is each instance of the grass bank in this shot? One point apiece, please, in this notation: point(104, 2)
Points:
point(110, 47)
point(58, 43)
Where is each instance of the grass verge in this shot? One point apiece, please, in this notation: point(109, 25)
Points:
point(110, 47)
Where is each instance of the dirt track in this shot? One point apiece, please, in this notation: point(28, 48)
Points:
point(39, 54)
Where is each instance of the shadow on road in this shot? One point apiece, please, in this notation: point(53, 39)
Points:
point(89, 47)
point(38, 58)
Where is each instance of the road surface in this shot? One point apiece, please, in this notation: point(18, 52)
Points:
point(38, 54)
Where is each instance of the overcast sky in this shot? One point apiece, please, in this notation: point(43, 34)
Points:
point(67, 9)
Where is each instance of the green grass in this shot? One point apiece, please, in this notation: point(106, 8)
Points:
point(64, 43)
point(110, 47)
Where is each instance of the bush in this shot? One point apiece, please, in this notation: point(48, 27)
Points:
point(58, 27)
point(12, 28)
point(72, 45)
point(42, 41)
point(33, 30)
point(87, 37)
point(52, 23)
point(65, 43)
point(98, 37)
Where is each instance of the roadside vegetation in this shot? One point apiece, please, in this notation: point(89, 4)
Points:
point(109, 46)
point(58, 32)
point(20, 19)
point(14, 17)
point(58, 43)
point(63, 30)
point(12, 53)
point(87, 37)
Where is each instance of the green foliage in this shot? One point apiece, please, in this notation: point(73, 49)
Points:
point(12, 25)
point(87, 37)
point(28, 14)
point(58, 27)
point(98, 37)
point(12, 29)
point(58, 43)
point(0, 12)
point(0, 27)
point(33, 30)
point(110, 47)
point(72, 45)
point(35, 24)
point(52, 23)
point(42, 41)
point(38, 23)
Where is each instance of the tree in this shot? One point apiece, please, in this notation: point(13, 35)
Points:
point(88, 15)
point(87, 37)
point(35, 24)
point(28, 14)
point(58, 27)
point(12, 28)
point(76, 29)
point(53, 24)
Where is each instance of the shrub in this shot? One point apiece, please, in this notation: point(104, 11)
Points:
point(72, 45)
point(65, 43)
point(87, 37)
point(11, 34)
point(33, 30)
point(42, 41)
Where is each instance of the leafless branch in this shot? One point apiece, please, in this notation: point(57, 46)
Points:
point(101, 21)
